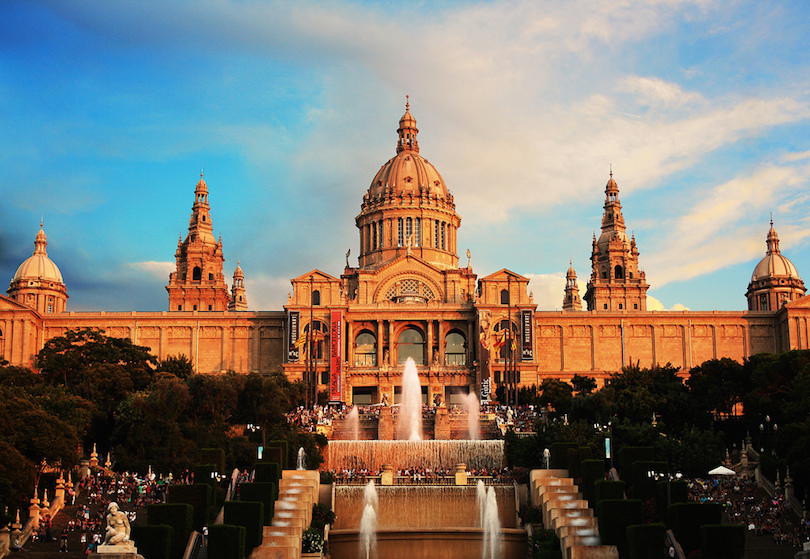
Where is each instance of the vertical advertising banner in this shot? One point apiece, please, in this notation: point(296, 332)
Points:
point(526, 322)
point(293, 324)
point(336, 357)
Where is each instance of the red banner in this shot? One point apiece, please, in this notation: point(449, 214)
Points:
point(336, 357)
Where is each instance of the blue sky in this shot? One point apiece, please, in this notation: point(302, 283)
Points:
point(108, 110)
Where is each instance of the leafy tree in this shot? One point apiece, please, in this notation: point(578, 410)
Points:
point(557, 394)
point(177, 365)
point(638, 393)
point(717, 385)
point(583, 385)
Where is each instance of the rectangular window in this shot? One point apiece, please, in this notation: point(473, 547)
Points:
point(436, 234)
point(179, 307)
point(409, 230)
point(210, 307)
point(444, 229)
point(195, 307)
point(417, 232)
point(635, 306)
point(400, 233)
point(380, 235)
point(373, 236)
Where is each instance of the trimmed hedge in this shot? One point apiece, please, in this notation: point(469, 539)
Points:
point(722, 541)
point(199, 496)
point(629, 454)
point(180, 517)
point(679, 493)
point(646, 541)
point(643, 487)
point(277, 451)
point(685, 519)
point(249, 514)
point(202, 474)
point(267, 472)
point(226, 542)
point(592, 471)
point(215, 456)
point(614, 516)
point(154, 542)
point(604, 489)
point(262, 492)
point(559, 455)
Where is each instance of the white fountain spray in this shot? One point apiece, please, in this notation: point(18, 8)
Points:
point(473, 416)
point(481, 501)
point(493, 544)
point(410, 412)
point(302, 459)
point(353, 423)
point(368, 522)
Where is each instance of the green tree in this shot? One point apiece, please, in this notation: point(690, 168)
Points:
point(557, 394)
point(583, 385)
point(716, 385)
point(177, 365)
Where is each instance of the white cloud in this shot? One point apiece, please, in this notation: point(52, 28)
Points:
point(158, 270)
point(265, 292)
point(654, 304)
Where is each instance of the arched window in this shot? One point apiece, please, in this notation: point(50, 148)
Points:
point(365, 350)
point(196, 274)
point(409, 230)
point(380, 234)
point(316, 298)
point(455, 349)
point(210, 277)
point(417, 232)
point(373, 236)
point(400, 233)
point(411, 344)
point(436, 234)
point(504, 297)
point(444, 230)
point(318, 339)
point(618, 272)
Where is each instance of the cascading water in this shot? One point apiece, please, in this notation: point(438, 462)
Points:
point(493, 544)
point(410, 411)
point(353, 423)
point(302, 459)
point(368, 522)
point(473, 416)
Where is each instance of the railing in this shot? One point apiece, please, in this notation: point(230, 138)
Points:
point(195, 541)
point(419, 481)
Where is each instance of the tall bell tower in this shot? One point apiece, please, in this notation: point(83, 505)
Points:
point(198, 284)
point(616, 284)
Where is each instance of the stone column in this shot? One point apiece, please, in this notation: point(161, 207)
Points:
point(350, 342)
point(385, 425)
point(441, 428)
point(380, 337)
point(33, 510)
point(440, 339)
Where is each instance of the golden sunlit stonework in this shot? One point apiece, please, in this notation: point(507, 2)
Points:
point(409, 296)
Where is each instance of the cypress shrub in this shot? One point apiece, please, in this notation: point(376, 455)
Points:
point(678, 493)
point(215, 456)
point(198, 496)
point(629, 454)
point(180, 517)
point(559, 455)
point(614, 517)
point(249, 514)
point(722, 541)
point(646, 541)
point(592, 471)
point(604, 489)
point(278, 452)
point(643, 487)
point(203, 474)
point(685, 519)
point(262, 492)
point(154, 542)
point(226, 542)
point(267, 472)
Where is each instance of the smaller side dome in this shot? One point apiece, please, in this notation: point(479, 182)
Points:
point(775, 280)
point(38, 282)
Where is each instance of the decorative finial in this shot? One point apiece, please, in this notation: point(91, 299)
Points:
point(201, 171)
point(771, 220)
point(42, 221)
point(407, 102)
point(611, 170)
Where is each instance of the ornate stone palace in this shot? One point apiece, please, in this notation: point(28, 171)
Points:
point(410, 297)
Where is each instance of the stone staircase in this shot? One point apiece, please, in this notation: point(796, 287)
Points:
point(297, 492)
point(567, 513)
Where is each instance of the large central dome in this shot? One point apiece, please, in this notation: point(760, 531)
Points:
point(407, 208)
point(408, 172)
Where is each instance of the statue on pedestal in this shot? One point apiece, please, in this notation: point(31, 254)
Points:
point(117, 527)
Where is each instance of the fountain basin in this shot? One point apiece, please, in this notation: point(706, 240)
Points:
point(425, 543)
point(352, 455)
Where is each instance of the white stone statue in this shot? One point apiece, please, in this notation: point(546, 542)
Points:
point(117, 527)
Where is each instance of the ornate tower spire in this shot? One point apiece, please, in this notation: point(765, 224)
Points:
point(571, 301)
point(238, 299)
point(38, 282)
point(775, 281)
point(198, 283)
point(616, 283)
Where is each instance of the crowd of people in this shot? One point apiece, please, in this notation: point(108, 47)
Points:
point(422, 476)
point(745, 504)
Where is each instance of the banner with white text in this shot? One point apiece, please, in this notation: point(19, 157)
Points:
point(336, 357)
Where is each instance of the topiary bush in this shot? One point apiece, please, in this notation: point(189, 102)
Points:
point(722, 541)
point(614, 517)
point(267, 472)
point(604, 489)
point(180, 517)
point(199, 496)
point(226, 541)
point(154, 542)
point(249, 514)
point(646, 541)
point(685, 519)
point(262, 492)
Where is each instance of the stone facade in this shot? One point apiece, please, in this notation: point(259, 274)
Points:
point(410, 297)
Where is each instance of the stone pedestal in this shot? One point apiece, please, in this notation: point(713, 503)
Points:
point(461, 474)
point(441, 429)
point(387, 475)
point(116, 551)
point(385, 426)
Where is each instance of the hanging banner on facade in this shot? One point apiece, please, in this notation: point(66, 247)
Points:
point(526, 321)
point(336, 357)
point(293, 326)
